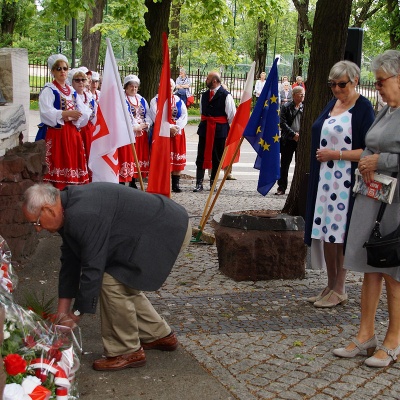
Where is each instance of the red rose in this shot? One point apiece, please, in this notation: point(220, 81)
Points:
point(14, 364)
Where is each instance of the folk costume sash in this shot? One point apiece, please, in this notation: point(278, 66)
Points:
point(210, 135)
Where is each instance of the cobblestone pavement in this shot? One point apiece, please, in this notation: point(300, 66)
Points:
point(262, 340)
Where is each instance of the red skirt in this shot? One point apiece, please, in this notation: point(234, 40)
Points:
point(178, 152)
point(65, 157)
point(127, 163)
point(87, 137)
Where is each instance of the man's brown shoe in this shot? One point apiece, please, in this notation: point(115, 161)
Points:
point(167, 343)
point(131, 360)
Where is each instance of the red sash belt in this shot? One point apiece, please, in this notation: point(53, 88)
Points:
point(210, 135)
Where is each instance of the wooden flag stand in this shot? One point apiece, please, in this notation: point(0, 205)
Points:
point(201, 236)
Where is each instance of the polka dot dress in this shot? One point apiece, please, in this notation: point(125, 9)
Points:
point(334, 185)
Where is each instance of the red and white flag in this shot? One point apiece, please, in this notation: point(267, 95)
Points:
point(160, 160)
point(240, 119)
point(113, 126)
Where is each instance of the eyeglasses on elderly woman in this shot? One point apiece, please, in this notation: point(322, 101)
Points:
point(62, 69)
point(342, 85)
point(379, 82)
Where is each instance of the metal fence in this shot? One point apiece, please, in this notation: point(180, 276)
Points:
point(39, 74)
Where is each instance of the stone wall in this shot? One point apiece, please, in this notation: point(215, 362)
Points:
point(20, 168)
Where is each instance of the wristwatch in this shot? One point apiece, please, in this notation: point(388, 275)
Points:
point(77, 313)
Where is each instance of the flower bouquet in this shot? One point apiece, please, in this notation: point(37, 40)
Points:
point(8, 279)
point(40, 357)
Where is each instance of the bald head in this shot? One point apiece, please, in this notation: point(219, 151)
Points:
point(213, 79)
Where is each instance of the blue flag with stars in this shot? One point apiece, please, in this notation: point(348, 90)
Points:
point(262, 132)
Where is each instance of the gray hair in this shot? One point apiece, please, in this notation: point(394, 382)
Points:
point(297, 89)
point(388, 62)
point(345, 68)
point(38, 195)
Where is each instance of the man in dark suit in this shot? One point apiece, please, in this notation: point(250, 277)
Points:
point(116, 243)
point(217, 109)
point(290, 119)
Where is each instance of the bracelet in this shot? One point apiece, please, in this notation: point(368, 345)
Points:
point(340, 155)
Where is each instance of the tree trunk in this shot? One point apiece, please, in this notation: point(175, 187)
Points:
point(261, 47)
point(150, 55)
point(91, 41)
point(9, 16)
point(394, 32)
point(174, 37)
point(297, 69)
point(326, 50)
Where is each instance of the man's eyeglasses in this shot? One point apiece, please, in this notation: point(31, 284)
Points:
point(342, 85)
point(379, 82)
point(37, 223)
point(62, 69)
point(80, 79)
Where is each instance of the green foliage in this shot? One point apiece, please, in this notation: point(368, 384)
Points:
point(64, 10)
point(125, 19)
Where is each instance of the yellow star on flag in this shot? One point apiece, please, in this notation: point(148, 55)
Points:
point(258, 130)
point(276, 138)
point(266, 146)
point(261, 142)
point(274, 99)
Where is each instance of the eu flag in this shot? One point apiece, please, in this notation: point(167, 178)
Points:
point(262, 132)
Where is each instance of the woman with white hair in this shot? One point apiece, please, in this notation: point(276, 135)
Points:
point(182, 86)
point(138, 110)
point(177, 133)
point(63, 113)
point(337, 141)
point(381, 155)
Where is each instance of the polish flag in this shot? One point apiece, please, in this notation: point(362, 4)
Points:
point(159, 180)
point(240, 120)
point(113, 126)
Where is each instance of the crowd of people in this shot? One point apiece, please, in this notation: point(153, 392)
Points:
point(345, 136)
point(68, 106)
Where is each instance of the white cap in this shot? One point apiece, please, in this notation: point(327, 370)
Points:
point(83, 69)
point(131, 78)
point(54, 57)
point(172, 83)
point(71, 74)
point(95, 76)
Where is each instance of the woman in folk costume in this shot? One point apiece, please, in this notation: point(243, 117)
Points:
point(94, 86)
point(138, 110)
point(63, 113)
point(177, 132)
point(78, 80)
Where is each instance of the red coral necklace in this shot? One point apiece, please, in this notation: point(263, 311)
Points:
point(65, 90)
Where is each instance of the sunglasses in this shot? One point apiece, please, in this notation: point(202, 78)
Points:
point(80, 79)
point(62, 69)
point(342, 85)
point(379, 82)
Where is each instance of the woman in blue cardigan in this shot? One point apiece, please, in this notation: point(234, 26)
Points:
point(336, 145)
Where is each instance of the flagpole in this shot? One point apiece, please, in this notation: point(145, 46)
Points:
point(204, 221)
point(201, 225)
point(125, 110)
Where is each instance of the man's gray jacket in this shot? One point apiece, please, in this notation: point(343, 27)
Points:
point(133, 236)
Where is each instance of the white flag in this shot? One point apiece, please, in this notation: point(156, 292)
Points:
point(113, 126)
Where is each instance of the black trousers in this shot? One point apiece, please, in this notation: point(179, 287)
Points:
point(218, 150)
point(287, 151)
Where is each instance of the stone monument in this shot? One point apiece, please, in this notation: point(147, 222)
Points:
point(14, 84)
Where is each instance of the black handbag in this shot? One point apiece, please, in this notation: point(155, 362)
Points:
point(383, 251)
